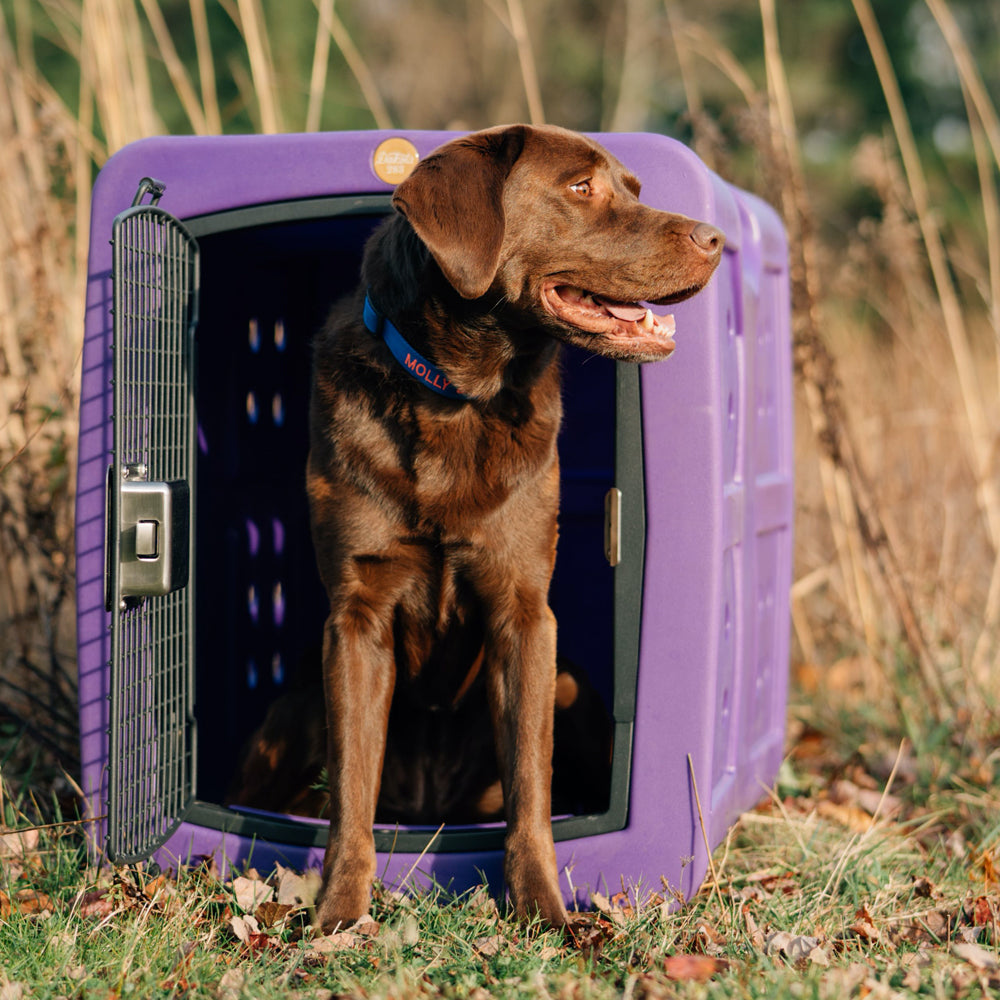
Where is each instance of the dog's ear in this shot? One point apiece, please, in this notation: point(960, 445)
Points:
point(454, 201)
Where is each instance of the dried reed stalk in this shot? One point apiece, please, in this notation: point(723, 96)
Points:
point(522, 39)
point(254, 30)
point(984, 124)
point(175, 68)
point(206, 67)
point(39, 316)
point(355, 63)
point(321, 57)
point(981, 437)
point(855, 505)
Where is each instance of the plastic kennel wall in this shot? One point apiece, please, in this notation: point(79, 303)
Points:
point(192, 521)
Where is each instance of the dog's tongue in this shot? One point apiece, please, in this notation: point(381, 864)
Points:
point(630, 312)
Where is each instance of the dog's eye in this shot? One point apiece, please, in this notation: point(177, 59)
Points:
point(582, 188)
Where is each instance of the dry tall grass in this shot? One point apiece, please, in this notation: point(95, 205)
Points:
point(898, 557)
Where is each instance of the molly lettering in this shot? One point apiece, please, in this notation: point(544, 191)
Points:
point(427, 373)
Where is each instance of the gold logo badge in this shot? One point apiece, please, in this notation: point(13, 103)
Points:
point(395, 159)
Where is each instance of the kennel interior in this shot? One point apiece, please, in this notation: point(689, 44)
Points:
point(198, 597)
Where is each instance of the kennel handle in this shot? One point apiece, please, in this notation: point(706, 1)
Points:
point(154, 523)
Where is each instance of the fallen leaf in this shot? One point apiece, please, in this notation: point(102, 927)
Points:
point(978, 957)
point(365, 925)
point(231, 985)
point(271, 914)
point(244, 927)
point(990, 872)
point(13, 991)
point(852, 817)
point(295, 889)
point(587, 933)
point(250, 893)
point(870, 800)
point(337, 941)
point(489, 946)
point(693, 968)
point(18, 844)
point(794, 947)
point(95, 904)
point(984, 912)
point(30, 902)
point(819, 956)
point(864, 926)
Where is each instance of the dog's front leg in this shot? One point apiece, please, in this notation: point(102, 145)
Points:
point(522, 674)
point(358, 677)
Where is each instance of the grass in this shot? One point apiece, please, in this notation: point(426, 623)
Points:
point(872, 869)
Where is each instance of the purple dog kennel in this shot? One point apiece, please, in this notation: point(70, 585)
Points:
point(197, 589)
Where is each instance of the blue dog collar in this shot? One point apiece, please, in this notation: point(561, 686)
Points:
point(416, 365)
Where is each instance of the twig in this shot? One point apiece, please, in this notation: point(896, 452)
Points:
point(206, 67)
point(358, 67)
point(420, 858)
point(817, 372)
point(519, 29)
point(704, 832)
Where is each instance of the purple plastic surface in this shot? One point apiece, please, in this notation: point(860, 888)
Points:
point(717, 441)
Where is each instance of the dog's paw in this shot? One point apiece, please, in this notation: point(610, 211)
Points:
point(533, 886)
point(345, 894)
point(341, 907)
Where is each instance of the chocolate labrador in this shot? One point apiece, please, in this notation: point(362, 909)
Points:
point(433, 475)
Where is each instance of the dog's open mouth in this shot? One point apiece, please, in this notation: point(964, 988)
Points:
point(629, 328)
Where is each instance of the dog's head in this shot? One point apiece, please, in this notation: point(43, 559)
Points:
point(547, 223)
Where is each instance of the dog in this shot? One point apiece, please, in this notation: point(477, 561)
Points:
point(433, 474)
point(439, 766)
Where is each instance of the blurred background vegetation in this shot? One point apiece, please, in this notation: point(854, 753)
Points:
point(870, 124)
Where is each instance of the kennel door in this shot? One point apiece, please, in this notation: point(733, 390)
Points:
point(150, 529)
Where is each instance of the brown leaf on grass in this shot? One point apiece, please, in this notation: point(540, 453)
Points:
point(365, 926)
point(231, 985)
point(244, 927)
point(977, 956)
point(990, 872)
point(708, 940)
point(688, 968)
point(489, 946)
point(869, 800)
point(588, 933)
point(483, 905)
point(852, 817)
point(30, 902)
point(795, 948)
point(609, 907)
point(984, 912)
point(864, 927)
point(250, 893)
point(923, 888)
point(295, 889)
point(5, 908)
point(18, 844)
point(337, 941)
point(621, 903)
point(95, 904)
point(757, 936)
point(271, 914)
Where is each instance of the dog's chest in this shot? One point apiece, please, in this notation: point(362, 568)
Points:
point(473, 464)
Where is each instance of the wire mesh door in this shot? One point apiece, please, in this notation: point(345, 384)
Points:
point(150, 593)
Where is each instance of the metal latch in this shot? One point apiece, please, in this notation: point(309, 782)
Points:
point(154, 520)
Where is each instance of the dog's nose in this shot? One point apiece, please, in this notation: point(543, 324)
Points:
point(708, 238)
